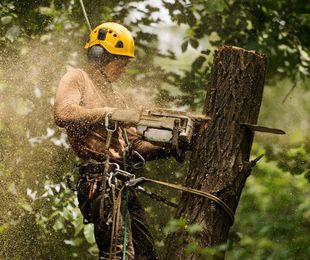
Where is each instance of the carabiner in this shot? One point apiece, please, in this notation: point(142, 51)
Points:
point(107, 123)
point(110, 178)
point(140, 164)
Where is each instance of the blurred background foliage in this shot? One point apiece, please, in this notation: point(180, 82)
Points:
point(40, 40)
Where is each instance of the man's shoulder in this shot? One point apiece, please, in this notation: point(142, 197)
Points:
point(73, 74)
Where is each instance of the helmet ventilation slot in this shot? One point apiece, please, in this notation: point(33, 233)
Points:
point(102, 34)
point(119, 44)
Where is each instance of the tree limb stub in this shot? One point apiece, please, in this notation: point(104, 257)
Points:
point(234, 96)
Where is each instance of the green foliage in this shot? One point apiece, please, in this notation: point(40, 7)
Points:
point(295, 160)
point(9, 30)
point(191, 234)
point(280, 29)
point(275, 207)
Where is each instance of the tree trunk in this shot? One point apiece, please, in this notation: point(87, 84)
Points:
point(220, 161)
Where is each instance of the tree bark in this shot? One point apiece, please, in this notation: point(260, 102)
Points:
point(220, 161)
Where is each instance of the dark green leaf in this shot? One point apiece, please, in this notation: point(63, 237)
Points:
point(194, 43)
point(198, 63)
point(184, 46)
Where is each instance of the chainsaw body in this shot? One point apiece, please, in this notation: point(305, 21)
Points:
point(162, 126)
point(166, 126)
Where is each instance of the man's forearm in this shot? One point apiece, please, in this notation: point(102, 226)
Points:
point(71, 114)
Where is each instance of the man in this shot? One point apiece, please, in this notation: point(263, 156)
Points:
point(84, 100)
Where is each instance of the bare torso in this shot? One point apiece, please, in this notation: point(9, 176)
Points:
point(82, 101)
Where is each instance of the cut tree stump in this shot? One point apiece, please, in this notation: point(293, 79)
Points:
point(220, 161)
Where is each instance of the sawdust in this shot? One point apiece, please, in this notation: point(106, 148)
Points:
point(33, 149)
point(27, 85)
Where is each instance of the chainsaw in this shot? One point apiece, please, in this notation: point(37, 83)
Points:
point(165, 126)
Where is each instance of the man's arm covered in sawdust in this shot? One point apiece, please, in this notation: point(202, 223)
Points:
point(68, 109)
point(69, 113)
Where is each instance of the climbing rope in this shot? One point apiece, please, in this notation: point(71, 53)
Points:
point(125, 225)
point(126, 197)
point(136, 182)
point(85, 15)
point(117, 201)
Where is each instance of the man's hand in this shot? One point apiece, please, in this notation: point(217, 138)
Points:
point(127, 117)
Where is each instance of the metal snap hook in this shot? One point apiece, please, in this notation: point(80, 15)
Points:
point(107, 123)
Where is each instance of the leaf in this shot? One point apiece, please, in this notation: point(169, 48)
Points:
point(197, 64)
point(3, 227)
point(89, 233)
point(191, 19)
point(47, 11)
point(194, 43)
point(175, 225)
point(191, 248)
point(26, 206)
point(58, 225)
point(77, 242)
point(12, 188)
point(13, 33)
point(307, 175)
point(184, 46)
point(6, 19)
point(194, 228)
point(206, 52)
point(78, 226)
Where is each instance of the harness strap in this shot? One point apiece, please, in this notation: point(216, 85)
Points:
point(113, 221)
point(106, 163)
point(117, 220)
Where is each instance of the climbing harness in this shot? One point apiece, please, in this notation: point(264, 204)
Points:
point(117, 177)
point(109, 177)
point(130, 182)
point(120, 181)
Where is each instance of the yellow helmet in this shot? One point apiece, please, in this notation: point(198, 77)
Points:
point(115, 38)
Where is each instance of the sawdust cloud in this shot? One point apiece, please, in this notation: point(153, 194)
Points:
point(32, 147)
point(27, 85)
